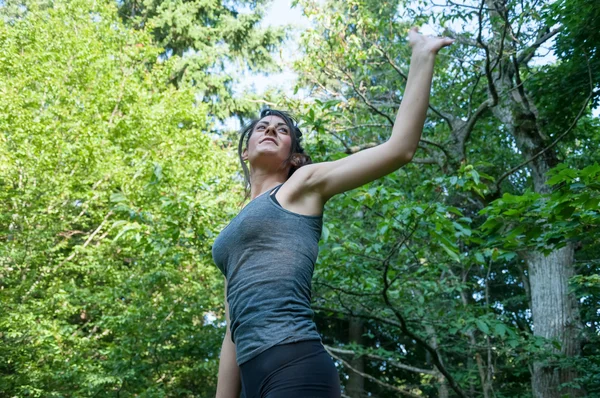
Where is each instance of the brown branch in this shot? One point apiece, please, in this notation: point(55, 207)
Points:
point(447, 117)
point(425, 161)
point(374, 379)
point(501, 49)
point(350, 313)
point(453, 4)
point(345, 291)
point(380, 358)
point(518, 80)
point(365, 100)
point(435, 144)
point(470, 105)
point(360, 126)
point(488, 71)
point(376, 110)
point(461, 39)
point(358, 148)
point(314, 79)
point(262, 101)
point(470, 123)
point(526, 55)
point(340, 139)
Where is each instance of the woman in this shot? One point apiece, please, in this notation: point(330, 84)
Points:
point(271, 347)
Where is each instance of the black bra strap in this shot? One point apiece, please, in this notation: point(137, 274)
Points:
point(272, 195)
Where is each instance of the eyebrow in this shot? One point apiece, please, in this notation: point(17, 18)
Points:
point(278, 124)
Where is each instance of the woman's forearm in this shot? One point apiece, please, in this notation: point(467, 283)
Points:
point(229, 382)
point(410, 119)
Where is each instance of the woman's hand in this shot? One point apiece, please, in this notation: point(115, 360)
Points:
point(427, 44)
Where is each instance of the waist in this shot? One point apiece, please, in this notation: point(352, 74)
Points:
point(281, 354)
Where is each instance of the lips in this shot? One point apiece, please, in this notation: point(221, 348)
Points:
point(269, 139)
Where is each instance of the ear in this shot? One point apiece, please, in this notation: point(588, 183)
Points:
point(245, 154)
point(295, 160)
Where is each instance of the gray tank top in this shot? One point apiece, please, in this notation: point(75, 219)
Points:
point(268, 254)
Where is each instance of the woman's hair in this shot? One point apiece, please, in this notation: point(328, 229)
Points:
point(296, 150)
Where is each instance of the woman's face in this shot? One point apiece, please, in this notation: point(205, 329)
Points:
point(270, 141)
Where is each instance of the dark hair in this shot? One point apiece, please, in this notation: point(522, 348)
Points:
point(296, 149)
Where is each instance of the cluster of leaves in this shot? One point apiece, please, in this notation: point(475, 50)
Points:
point(111, 191)
point(545, 222)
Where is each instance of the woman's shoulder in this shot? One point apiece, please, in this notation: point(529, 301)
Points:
point(297, 195)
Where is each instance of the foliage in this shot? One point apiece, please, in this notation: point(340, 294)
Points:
point(438, 245)
point(113, 186)
point(545, 222)
point(111, 192)
point(211, 37)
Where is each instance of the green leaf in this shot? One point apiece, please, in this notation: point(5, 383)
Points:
point(500, 329)
point(482, 326)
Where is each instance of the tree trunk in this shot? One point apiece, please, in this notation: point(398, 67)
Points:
point(554, 310)
point(356, 382)
point(555, 317)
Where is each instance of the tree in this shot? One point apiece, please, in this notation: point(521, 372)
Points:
point(111, 190)
point(490, 133)
point(210, 38)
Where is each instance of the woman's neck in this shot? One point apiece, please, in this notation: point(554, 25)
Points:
point(261, 183)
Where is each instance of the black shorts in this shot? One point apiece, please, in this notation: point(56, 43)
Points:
point(295, 370)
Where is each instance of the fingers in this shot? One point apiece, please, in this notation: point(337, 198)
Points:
point(447, 41)
point(416, 39)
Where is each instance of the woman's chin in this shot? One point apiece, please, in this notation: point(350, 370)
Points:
point(268, 150)
point(267, 158)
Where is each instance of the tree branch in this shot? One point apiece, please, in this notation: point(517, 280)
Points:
point(403, 326)
point(374, 379)
point(366, 101)
point(70, 257)
point(488, 71)
point(358, 148)
point(461, 39)
point(453, 4)
point(425, 161)
point(357, 315)
point(380, 358)
point(543, 36)
point(345, 291)
point(447, 117)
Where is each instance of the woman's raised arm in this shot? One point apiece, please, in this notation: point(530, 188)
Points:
point(331, 178)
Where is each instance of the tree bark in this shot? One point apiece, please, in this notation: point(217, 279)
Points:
point(555, 317)
point(356, 382)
